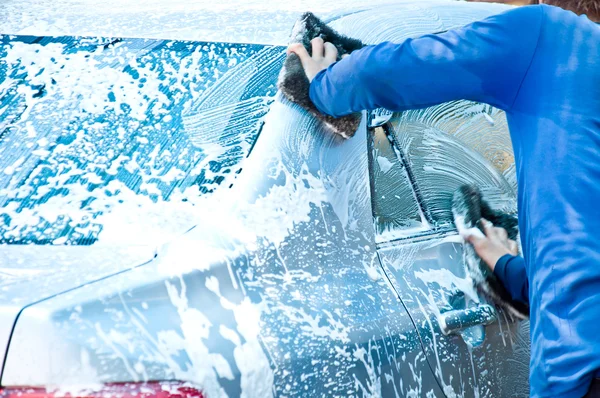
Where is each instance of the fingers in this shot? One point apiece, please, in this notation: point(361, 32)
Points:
point(299, 50)
point(513, 247)
point(331, 53)
point(318, 47)
point(488, 227)
point(501, 233)
point(471, 238)
point(491, 231)
point(473, 235)
point(293, 48)
point(320, 51)
point(302, 53)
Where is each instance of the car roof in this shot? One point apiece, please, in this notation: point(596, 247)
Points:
point(238, 21)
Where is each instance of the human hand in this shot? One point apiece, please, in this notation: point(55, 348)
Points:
point(491, 246)
point(323, 55)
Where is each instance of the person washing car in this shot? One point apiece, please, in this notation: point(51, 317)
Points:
point(541, 65)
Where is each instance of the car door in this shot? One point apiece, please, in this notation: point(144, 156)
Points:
point(438, 150)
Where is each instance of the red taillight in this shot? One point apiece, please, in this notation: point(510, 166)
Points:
point(114, 390)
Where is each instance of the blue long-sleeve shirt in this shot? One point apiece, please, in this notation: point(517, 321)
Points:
point(541, 65)
point(512, 273)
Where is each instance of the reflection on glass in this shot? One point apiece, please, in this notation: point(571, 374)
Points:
point(122, 135)
point(395, 208)
point(451, 145)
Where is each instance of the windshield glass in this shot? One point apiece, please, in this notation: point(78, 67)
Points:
point(117, 139)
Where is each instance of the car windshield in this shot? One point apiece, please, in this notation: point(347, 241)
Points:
point(120, 138)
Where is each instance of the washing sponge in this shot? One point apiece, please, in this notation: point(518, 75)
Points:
point(468, 207)
point(293, 82)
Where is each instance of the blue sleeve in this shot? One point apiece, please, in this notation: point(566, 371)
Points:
point(513, 275)
point(485, 61)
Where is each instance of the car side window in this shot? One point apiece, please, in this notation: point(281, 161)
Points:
point(395, 208)
point(454, 144)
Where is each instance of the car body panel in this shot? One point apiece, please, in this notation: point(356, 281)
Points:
point(424, 258)
point(484, 361)
point(428, 273)
point(29, 274)
point(306, 311)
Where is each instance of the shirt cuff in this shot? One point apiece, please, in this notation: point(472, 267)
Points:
point(500, 268)
point(313, 91)
point(510, 270)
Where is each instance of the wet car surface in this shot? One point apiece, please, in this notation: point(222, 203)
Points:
point(166, 215)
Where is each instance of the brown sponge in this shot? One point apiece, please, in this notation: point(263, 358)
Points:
point(294, 83)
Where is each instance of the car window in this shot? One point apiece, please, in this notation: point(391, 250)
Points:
point(119, 139)
point(395, 208)
point(454, 144)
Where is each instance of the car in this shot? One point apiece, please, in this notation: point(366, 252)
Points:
point(172, 226)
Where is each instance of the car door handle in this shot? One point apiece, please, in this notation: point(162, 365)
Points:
point(456, 320)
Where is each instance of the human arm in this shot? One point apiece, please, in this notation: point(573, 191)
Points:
point(513, 275)
point(500, 254)
point(485, 61)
